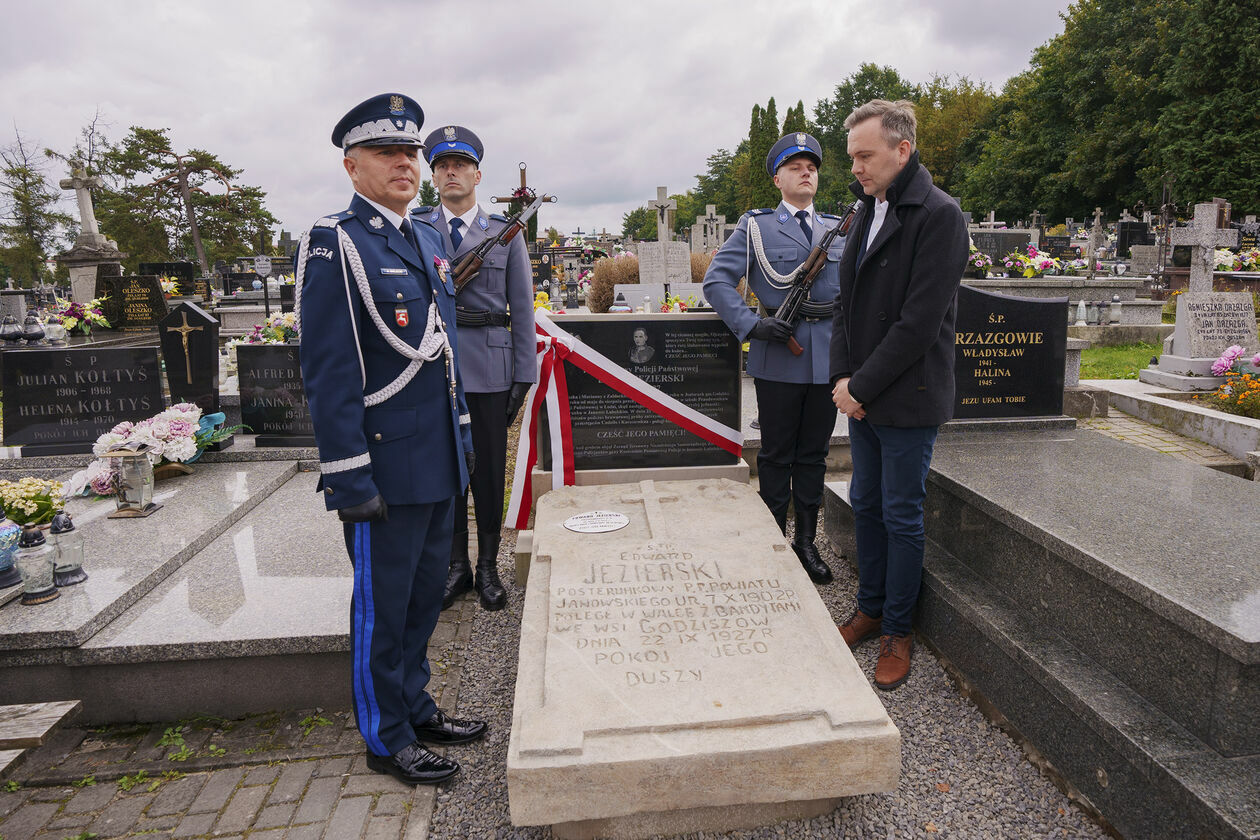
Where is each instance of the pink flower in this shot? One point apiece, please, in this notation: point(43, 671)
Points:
point(102, 483)
point(122, 428)
point(1255, 360)
point(1226, 362)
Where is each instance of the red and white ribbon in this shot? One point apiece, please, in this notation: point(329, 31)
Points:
point(555, 347)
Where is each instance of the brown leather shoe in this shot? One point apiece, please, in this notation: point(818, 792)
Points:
point(893, 666)
point(858, 628)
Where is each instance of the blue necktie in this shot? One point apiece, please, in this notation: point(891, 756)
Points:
point(456, 236)
point(409, 234)
point(804, 216)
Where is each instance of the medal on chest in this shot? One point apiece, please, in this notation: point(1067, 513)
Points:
point(401, 317)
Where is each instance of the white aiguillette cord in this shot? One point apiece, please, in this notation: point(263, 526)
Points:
point(434, 343)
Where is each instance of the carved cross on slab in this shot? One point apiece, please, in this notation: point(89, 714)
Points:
point(658, 527)
point(1203, 236)
point(662, 206)
point(183, 334)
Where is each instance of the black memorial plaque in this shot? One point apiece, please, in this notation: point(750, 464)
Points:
point(234, 281)
point(140, 302)
point(693, 358)
point(541, 264)
point(1249, 235)
point(184, 273)
point(273, 401)
point(1129, 234)
point(1060, 247)
point(190, 348)
point(1008, 355)
point(286, 297)
point(998, 243)
point(58, 402)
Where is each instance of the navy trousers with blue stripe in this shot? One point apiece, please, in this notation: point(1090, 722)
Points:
point(399, 570)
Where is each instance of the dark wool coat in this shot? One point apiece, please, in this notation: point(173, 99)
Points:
point(893, 326)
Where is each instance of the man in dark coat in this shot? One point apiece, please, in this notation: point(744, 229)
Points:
point(892, 366)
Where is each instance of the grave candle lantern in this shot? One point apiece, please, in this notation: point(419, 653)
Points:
point(9, 330)
point(135, 482)
point(9, 533)
point(35, 563)
point(68, 567)
point(32, 329)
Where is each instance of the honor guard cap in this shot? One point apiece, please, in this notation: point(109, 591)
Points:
point(791, 145)
point(390, 119)
point(453, 140)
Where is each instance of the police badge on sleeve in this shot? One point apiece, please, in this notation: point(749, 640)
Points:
point(401, 317)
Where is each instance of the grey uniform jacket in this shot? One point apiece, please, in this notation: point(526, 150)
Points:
point(785, 249)
point(492, 358)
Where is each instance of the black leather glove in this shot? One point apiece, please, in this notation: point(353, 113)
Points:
point(470, 458)
point(516, 399)
point(772, 329)
point(373, 510)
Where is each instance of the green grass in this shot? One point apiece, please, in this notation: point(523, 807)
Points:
point(1120, 362)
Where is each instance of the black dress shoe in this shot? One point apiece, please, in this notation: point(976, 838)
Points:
point(441, 729)
point(414, 765)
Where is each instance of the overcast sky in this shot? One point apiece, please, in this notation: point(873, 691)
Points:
point(603, 100)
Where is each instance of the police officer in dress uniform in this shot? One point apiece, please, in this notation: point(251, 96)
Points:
point(793, 392)
point(375, 308)
point(496, 364)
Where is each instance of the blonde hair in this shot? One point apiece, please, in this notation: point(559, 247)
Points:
point(896, 119)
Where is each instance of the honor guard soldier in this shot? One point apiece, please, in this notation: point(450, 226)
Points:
point(494, 313)
point(793, 392)
point(375, 306)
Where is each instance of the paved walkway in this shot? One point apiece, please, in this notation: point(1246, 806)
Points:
point(1130, 429)
point(293, 775)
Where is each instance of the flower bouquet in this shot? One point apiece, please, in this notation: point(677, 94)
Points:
point(1240, 393)
point(1249, 260)
point(1224, 259)
point(31, 501)
point(78, 316)
point(177, 435)
point(978, 263)
point(170, 288)
point(280, 329)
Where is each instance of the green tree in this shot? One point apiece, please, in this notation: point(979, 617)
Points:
point(31, 229)
point(639, 223)
point(947, 114)
point(1208, 134)
point(870, 81)
point(794, 120)
point(763, 133)
point(144, 210)
point(428, 196)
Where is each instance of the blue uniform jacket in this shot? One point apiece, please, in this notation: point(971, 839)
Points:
point(786, 249)
point(492, 358)
point(409, 448)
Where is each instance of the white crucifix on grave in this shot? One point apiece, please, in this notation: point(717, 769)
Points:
point(661, 206)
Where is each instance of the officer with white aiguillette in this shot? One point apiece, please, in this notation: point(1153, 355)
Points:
point(793, 392)
point(375, 307)
point(497, 363)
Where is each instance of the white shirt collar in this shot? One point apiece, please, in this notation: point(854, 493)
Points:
point(394, 218)
point(468, 218)
point(794, 210)
point(877, 220)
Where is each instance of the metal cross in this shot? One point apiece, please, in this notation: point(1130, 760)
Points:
point(183, 334)
point(656, 519)
point(1203, 237)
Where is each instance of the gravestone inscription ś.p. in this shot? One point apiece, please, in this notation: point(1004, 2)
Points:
point(273, 399)
point(190, 348)
point(58, 402)
point(1009, 354)
point(693, 358)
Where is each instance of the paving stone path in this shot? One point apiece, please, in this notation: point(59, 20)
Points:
point(1130, 429)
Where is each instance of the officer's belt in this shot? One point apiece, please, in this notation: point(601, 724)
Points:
point(811, 310)
point(480, 318)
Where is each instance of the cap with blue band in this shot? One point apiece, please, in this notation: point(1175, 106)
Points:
point(791, 145)
point(453, 140)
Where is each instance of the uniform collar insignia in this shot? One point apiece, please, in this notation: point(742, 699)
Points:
point(481, 220)
point(437, 214)
point(783, 215)
point(376, 222)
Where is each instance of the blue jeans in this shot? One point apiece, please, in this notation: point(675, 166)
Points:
point(890, 466)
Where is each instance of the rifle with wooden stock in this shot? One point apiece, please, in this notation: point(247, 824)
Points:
point(803, 279)
point(468, 266)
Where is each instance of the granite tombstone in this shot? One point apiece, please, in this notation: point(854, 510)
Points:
point(1130, 233)
point(664, 262)
point(184, 273)
point(998, 243)
point(691, 357)
point(1009, 355)
point(541, 265)
point(140, 302)
point(273, 399)
point(190, 348)
point(59, 402)
point(1060, 247)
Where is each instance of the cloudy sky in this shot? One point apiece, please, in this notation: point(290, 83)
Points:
point(604, 100)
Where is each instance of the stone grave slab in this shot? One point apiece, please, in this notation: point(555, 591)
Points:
point(190, 347)
point(679, 679)
point(60, 401)
point(692, 357)
point(664, 262)
point(998, 243)
point(634, 294)
point(1209, 322)
point(1144, 259)
point(25, 725)
point(125, 558)
point(1009, 355)
point(273, 398)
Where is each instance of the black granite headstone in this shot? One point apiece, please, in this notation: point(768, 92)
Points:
point(184, 273)
point(58, 402)
point(141, 304)
point(273, 400)
point(286, 297)
point(541, 264)
point(1249, 235)
point(234, 281)
point(106, 277)
point(693, 358)
point(998, 243)
point(190, 348)
point(1060, 247)
point(1129, 234)
point(1008, 356)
